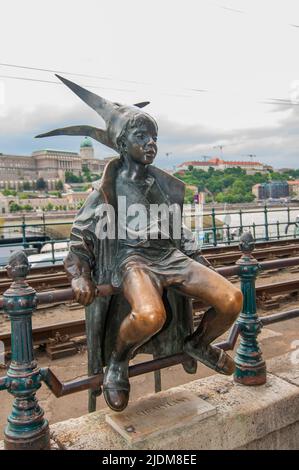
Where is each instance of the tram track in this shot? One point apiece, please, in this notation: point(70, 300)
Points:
point(44, 278)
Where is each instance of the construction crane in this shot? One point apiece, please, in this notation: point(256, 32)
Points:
point(250, 155)
point(220, 147)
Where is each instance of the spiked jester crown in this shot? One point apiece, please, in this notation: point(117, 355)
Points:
point(115, 115)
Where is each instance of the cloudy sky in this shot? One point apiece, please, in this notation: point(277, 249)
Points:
point(208, 67)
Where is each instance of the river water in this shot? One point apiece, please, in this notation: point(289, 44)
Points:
point(277, 222)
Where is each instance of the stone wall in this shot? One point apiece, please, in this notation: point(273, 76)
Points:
point(261, 417)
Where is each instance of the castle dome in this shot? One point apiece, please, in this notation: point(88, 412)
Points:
point(86, 143)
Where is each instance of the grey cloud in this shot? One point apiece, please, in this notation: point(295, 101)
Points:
point(277, 145)
point(19, 128)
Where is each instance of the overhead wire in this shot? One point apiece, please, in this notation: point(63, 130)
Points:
point(98, 77)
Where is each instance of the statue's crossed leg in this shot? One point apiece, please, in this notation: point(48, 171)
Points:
point(143, 290)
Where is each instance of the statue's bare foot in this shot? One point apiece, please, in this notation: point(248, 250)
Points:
point(210, 356)
point(116, 386)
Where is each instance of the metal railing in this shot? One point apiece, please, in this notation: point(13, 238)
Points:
point(211, 235)
point(28, 429)
point(264, 230)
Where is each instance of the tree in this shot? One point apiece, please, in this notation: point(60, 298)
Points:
point(41, 185)
point(14, 207)
point(49, 207)
point(189, 196)
point(71, 178)
point(28, 207)
point(80, 204)
point(59, 185)
point(9, 192)
point(26, 186)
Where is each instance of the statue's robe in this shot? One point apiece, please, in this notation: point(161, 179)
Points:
point(105, 314)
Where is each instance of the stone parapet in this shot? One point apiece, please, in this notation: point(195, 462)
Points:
point(247, 417)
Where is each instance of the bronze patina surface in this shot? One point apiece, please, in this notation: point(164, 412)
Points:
point(151, 280)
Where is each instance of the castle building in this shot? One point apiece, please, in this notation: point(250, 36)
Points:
point(50, 165)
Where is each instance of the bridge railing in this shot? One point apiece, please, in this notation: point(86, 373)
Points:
point(27, 427)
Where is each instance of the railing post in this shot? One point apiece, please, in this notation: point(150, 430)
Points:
point(250, 366)
point(24, 232)
point(228, 234)
point(214, 228)
point(241, 221)
point(44, 224)
point(254, 231)
point(26, 428)
point(266, 223)
point(53, 252)
point(277, 229)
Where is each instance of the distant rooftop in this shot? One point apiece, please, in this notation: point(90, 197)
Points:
point(86, 142)
point(54, 151)
point(219, 161)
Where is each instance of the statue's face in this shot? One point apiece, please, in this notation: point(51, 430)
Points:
point(141, 142)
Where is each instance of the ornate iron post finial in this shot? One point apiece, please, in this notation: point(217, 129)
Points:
point(26, 428)
point(250, 366)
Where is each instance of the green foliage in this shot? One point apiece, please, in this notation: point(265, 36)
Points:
point(41, 184)
point(14, 207)
point(9, 192)
point(94, 176)
point(27, 195)
point(231, 185)
point(28, 207)
point(55, 193)
point(80, 204)
point(189, 196)
point(87, 176)
point(27, 186)
point(49, 207)
point(291, 174)
point(59, 185)
point(71, 178)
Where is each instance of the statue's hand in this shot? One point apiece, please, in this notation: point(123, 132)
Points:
point(84, 290)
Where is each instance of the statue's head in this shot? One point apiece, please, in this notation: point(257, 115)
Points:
point(129, 130)
point(138, 139)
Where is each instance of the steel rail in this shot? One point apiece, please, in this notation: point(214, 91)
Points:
point(67, 294)
point(215, 252)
